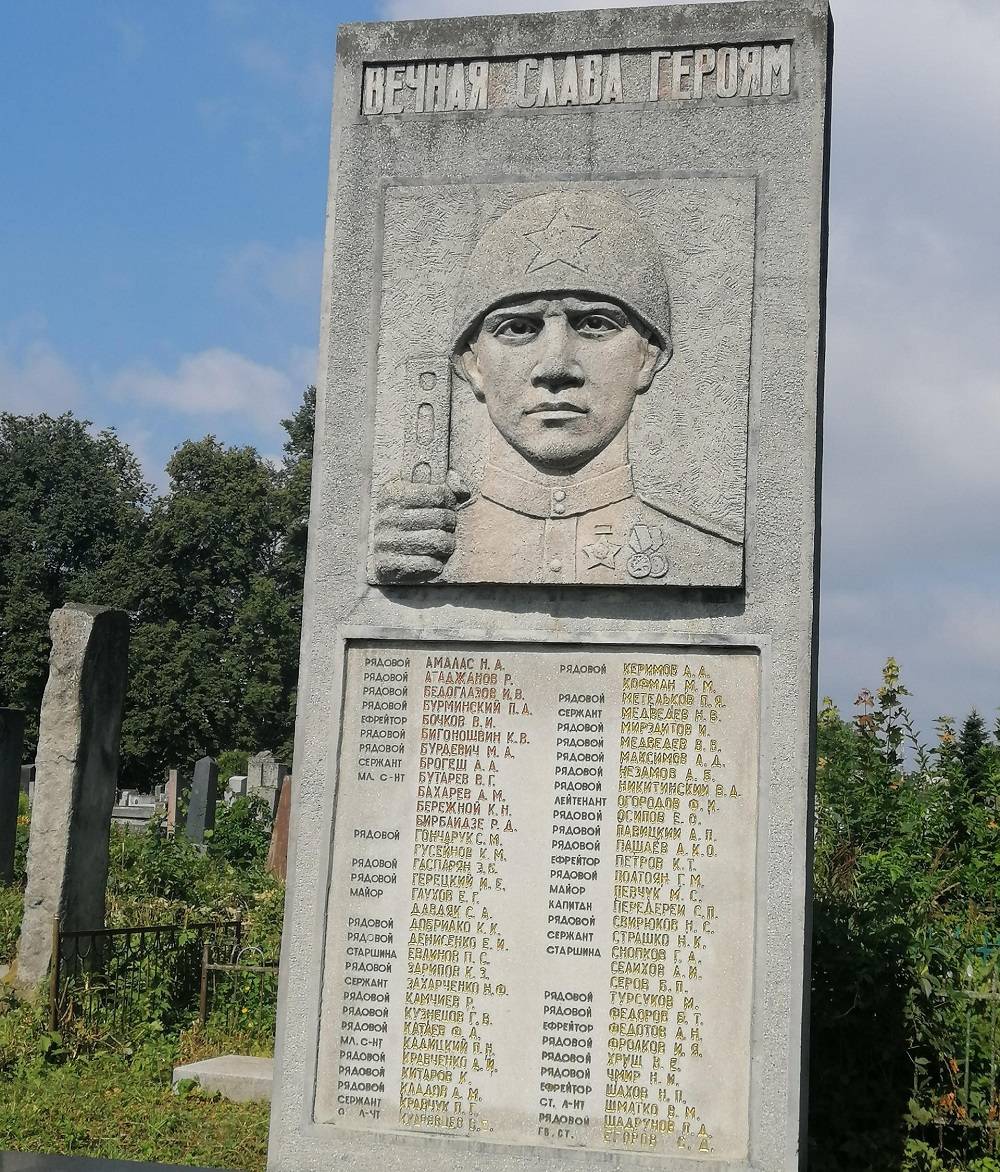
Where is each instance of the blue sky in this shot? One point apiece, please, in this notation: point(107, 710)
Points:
point(164, 173)
point(163, 182)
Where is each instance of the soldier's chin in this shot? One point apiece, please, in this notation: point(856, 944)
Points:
point(556, 454)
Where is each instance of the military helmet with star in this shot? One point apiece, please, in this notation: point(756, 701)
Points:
point(566, 242)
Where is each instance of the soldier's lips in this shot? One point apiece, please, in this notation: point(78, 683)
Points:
point(556, 409)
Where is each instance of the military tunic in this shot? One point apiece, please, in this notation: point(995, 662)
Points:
point(595, 531)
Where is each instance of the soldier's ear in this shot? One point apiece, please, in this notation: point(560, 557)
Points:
point(655, 359)
point(465, 364)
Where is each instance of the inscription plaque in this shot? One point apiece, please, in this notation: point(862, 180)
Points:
point(541, 914)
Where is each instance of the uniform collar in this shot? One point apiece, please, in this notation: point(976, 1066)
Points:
point(565, 500)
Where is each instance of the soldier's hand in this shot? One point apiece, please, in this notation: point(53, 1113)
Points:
point(415, 528)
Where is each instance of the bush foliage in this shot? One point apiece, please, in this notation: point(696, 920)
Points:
point(907, 850)
point(105, 1091)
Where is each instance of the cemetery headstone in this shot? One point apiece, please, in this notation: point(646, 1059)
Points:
point(28, 780)
point(76, 782)
point(201, 808)
point(236, 787)
point(277, 852)
point(549, 862)
point(173, 795)
point(264, 776)
point(11, 747)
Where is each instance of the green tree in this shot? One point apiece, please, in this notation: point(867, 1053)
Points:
point(73, 516)
point(218, 605)
point(974, 754)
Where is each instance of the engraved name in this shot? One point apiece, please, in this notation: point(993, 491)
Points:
point(587, 79)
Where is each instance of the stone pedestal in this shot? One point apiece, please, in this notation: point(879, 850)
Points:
point(76, 781)
point(11, 746)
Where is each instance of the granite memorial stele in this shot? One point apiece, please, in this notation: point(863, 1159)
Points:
point(548, 900)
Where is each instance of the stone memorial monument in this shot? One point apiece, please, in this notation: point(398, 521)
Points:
point(551, 821)
point(11, 746)
point(204, 791)
point(76, 782)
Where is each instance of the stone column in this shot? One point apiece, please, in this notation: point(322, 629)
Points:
point(77, 775)
point(11, 746)
point(201, 811)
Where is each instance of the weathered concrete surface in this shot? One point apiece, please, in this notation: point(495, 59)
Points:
point(77, 774)
point(11, 744)
point(233, 1076)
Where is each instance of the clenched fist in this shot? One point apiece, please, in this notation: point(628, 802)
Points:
point(415, 528)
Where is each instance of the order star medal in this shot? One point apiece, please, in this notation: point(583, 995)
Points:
point(601, 552)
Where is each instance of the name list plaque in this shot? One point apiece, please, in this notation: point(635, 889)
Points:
point(541, 911)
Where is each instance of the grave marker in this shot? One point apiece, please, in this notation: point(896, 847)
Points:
point(201, 809)
point(76, 782)
point(173, 795)
point(11, 746)
point(277, 852)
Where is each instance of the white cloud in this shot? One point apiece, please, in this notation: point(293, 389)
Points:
point(309, 77)
point(131, 37)
point(259, 273)
point(212, 382)
point(35, 378)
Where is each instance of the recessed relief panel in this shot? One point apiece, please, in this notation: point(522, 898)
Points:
point(562, 383)
point(541, 906)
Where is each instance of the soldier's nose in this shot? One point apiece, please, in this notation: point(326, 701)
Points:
point(557, 367)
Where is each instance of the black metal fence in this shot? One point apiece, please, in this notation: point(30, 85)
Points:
point(108, 979)
point(239, 995)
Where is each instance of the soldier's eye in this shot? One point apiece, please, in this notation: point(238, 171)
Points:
point(516, 329)
point(596, 325)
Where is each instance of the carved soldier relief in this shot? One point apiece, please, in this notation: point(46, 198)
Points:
point(563, 383)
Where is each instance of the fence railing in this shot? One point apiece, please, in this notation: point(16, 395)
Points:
point(109, 978)
point(241, 995)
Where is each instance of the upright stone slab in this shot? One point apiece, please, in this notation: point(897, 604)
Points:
point(11, 747)
point(264, 777)
point(173, 795)
point(28, 779)
point(552, 809)
point(277, 851)
point(76, 781)
point(204, 791)
point(236, 787)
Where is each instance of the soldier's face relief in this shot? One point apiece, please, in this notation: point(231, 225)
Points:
point(559, 375)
